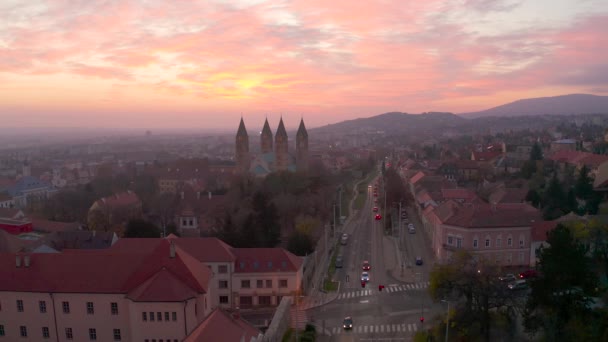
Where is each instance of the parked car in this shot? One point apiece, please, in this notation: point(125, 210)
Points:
point(518, 285)
point(508, 278)
point(527, 274)
point(339, 261)
point(419, 261)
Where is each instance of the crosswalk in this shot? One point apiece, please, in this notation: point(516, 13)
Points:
point(376, 329)
point(389, 289)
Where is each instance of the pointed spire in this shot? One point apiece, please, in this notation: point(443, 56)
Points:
point(266, 130)
point(302, 129)
point(242, 132)
point(281, 130)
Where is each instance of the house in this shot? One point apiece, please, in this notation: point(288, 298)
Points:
point(158, 293)
point(501, 232)
point(15, 226)
point(220, 325)
point(241, 277)
point(29, 190)
point(6, 201)
point(563, 145)
point(114, 211)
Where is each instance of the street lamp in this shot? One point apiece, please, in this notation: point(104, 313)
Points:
point(447, 320)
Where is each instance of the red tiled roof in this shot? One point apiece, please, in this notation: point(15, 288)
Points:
point(249, 260)
point(203, 249)
point(162, 287)
point(418, 176)
point(103, 271)
point(221, 326)
point(458, 193)
point(486, 156)
point(53, 226)
point(540, 229)
point(483, 215)
point(120, 200)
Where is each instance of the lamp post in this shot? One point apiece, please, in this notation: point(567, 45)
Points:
point(447, 320)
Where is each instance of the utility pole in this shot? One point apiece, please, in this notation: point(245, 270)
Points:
point(399, 228)
point(447, 322)
point(340, 202)
point(335, 222)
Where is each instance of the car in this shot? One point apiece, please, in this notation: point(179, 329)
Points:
point(508, 278)
point(378, 217)
point(339, 261)
point(366, 266)
point(365, 277)
point(410, 225)
point(518, 285)
point(411, 230)
point(344, 239)
point(375, 200)
point(347, 323)
point(419, 261)
point(375, 194)
point(527, 274)
point(375, 209)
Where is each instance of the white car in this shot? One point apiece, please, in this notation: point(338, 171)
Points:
point(365, 277)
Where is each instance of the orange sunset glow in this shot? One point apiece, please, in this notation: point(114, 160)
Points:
point(189, 64)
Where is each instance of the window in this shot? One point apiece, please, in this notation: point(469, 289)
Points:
point(90, 308)
point(268, 283)
point(174, 316)
point(282, 283)
point(23, 331)
point(183, 222)
point(117, 336)
point(92, 334)
point(151, 316)
point(509, 242)
point(450, 240)
point(66, 307)
point(159, 316)
point(191, 222)
point(19, 305)
point(144, 316)
point(68, 334)
point(264, 300)
point(269, 265)
point(474, 243)
point(459, 242)
point(167, 316)
point(498, 242)
point(223, 299)
point(45, 332)
point(521, 242)
point(223, 284)
point(487, 243)
point(245, 284)
point(2, 330)
point(222, 269)
point(259, 284)
point(42, 306)
point(114, 308)
point(246, 301)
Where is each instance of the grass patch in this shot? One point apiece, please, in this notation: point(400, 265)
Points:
point(287, 336)
point(347, 192)
point(330, 285)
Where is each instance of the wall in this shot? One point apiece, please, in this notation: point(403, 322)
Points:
point(280, 322)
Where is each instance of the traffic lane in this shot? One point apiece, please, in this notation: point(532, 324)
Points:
point(418, 243)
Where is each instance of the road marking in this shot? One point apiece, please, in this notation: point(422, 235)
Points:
point(364, 301)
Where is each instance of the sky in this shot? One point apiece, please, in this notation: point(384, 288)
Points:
point(204, 64)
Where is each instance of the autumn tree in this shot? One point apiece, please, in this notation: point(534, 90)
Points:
point(138, 228)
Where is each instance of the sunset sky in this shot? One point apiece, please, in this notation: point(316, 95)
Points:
point(173, 64)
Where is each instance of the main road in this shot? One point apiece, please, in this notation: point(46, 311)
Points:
point(392, 314)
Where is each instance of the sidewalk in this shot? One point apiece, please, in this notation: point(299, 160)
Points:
point(395, 266)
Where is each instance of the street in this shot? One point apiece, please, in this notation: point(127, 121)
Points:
point(392, 314)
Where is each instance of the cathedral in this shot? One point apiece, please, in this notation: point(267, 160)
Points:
point(274, 155)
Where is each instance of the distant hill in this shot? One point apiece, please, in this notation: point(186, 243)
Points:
point(396, 122)
point(556, 105)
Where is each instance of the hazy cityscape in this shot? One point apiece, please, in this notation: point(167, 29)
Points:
point(261, 171)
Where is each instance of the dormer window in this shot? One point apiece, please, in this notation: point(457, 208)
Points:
point(283, 264)
point(242, 265)
point(270, 265)
point(256, 265)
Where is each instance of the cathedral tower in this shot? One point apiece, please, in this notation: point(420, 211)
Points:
point(266, 138)
point(242, 149)
point(302, 148)
point(281, 148)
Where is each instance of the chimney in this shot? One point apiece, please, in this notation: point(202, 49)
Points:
point(182, 194)
point(26, 260)
point(198, 195)
point(18, 260)
point(209, 194)
point(172, 250)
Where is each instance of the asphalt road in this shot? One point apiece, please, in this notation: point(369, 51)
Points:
point(390, 315)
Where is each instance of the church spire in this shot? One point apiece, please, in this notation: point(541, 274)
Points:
point(266, 138)
point(302, 130)
point(281, 130)
point(242, 132)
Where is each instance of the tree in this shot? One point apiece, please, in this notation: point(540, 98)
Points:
point(561, 290)
point(583, 188)
point(138, 228)
point(477, 281)
point(533, 197)
point(300, 241)
point(265, 220)
point(536, 153)
point(553, 199)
